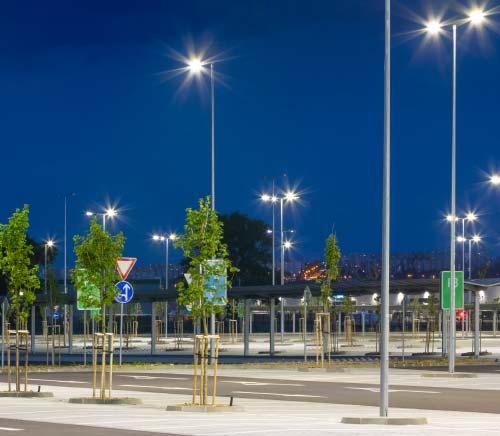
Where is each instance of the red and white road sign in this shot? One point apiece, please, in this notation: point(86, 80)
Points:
point(124, 265)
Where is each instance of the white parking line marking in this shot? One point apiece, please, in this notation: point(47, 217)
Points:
point(279, 395)
point(394, 390)
point(157, 387)
point(58, 381)
point(11, 429)
point(149, 377)
point(253, 383)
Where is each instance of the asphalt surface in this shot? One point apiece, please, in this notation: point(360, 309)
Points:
point(35, 428)
point(480, 369)
point(401, 396)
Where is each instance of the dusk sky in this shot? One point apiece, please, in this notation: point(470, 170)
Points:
point(89, 104)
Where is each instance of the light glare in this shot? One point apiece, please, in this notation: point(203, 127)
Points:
point(476, 16)
point(433, 27)
point(195, 65)
point(495, 179)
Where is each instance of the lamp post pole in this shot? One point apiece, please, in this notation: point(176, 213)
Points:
point(282, 275)
point(384, 340)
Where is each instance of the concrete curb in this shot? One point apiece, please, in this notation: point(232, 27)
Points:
point(29, 394)
point(220, 408)
point(385, 421)
point(448, 375)
point(114, 401)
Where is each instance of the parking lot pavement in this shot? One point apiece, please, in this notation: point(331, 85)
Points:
point(261, 417)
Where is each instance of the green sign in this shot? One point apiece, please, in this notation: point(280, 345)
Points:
point(88, 297)
point(445, 289)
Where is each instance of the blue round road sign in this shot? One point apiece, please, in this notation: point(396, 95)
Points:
point(124, 292)
point(55, 315)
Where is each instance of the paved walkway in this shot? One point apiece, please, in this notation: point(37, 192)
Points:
point(261, 417)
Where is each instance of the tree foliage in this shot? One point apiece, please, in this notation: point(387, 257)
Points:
point(249, 247)
point(96, 253)
point(332, 259)
point(15, 264)
point(202, 242)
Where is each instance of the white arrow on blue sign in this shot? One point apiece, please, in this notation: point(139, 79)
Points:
point(124, 293)
point(56, 315)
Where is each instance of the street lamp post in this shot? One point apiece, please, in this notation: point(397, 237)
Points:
point(172, 237)
point(475, 239)
point(384, 340)
point(289, 196)
point(435, 27)
point(48, 244)
point(66, 196)
point(196, 66)
point(110, 212)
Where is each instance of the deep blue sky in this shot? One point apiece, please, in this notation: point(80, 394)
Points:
point(86, 107)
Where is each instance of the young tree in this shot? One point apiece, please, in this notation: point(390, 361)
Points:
point(332, 258)
point(201, 243)
point(96, 253)
point(15, 264)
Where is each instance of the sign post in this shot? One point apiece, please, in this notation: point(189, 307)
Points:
point(124, 294)
point(445, 290)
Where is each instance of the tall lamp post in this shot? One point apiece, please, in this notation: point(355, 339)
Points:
point(162, 238)
point(386, 201)
point(289, 197)
point(197, 66)
point(66, 196)
point(110, 212)
point(435, 28)
point(476, 239)
point(48, 244)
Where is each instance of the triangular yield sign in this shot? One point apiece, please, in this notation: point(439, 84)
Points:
point(124, 265)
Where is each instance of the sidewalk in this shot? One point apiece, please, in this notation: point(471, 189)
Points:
point(261, 417)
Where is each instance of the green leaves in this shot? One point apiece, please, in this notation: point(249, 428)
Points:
point(332, 258)
point(95, 263)
point(15, 263)
point(201, 243)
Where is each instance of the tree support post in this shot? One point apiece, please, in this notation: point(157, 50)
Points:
point(33, 319)
point(476, 325)
point(246, 338)
point(153, 329)
point(272, 327)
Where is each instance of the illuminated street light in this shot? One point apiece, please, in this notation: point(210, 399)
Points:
point(476, 16)
point(195, 66)
point(48, 244)
point(495, 179)
point(110, 212)
point(289, 196)
point(433, 28)
point(165, 238)
point(287, 245)
point(476, 239)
